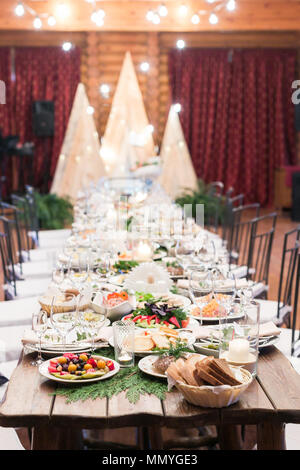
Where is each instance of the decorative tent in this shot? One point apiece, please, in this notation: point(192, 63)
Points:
point(177, 168)
point(79, 162)
point(128, 135)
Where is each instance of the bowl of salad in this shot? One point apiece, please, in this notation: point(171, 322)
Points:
point(154, 312)
point(116, 304)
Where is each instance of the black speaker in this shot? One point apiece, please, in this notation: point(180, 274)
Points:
point(296, 197)
point(43, 118)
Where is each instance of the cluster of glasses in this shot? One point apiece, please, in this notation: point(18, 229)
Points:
point(79, 316)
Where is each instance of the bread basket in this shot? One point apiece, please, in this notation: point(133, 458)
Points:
point(61, 307)
point(216, 397)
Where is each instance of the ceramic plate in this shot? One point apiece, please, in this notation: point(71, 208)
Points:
point(146, 366)
point(43, 370)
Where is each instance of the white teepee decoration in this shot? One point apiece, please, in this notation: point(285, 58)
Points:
point(177, 168)
point(128, 135)
point(79, 162)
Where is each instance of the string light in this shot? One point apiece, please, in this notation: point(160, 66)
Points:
point(162, 10)
point(98, 17)
point(213, 19)
point(231, 5)
point(156, 18)
point(149, 15)
point(183, 9)
point(51, 21)
point(37, 23)
point(20, 10)
point(67, 46)
point(177, 107)
point(195, 19)
point(104, 90)
point(145, 66)
point(180, 44)
point(90, 110)
point(63, 11)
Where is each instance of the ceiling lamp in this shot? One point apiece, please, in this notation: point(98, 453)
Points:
point(51, 21)
point(37, 23)
point(20, 10)
point(145, 66)
point(195, 19)
point(180, 44)
point(183, 9)
point(213, 19)
point(231, 5)
point(67, 46)
point(162, 10)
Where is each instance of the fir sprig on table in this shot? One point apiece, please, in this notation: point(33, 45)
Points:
point(131, 380)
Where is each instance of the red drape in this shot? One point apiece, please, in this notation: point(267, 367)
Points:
point(45, 73)
point(6, 110)
point(237, 114)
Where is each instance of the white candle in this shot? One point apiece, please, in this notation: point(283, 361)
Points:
point(238, 350)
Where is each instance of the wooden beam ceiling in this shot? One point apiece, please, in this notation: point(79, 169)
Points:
point(129, 15)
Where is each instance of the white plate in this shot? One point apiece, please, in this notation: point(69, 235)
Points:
point(55, 352)
point(182, 333)
point(146, 366)
point(231, 317)
point(43, 370)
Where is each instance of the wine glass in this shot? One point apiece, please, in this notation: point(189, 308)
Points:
point(78, 272)
point(201, 290)
point(58, 275)
point(64, 322)
point(224, 289)
point(206, 251)
point(89, 320)
point(184, 250)
point(39, 326)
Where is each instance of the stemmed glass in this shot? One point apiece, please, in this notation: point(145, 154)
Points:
point(78, 272)
point(205, 251)
point(184, 251)
point(65, 322)
point(58, 275)
point(91, 321)
point(224, 291)
point(201, 289)
point(39, 326)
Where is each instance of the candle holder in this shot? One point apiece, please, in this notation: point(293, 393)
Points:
point(239, 335)
point(123, 332)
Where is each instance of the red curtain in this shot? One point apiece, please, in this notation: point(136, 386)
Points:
point(237, 114)
point(45, 73)
point(6, 110)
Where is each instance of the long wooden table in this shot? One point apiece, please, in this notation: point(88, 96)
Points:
point(272, 400)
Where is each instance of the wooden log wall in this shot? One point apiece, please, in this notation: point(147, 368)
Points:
point(103, 53)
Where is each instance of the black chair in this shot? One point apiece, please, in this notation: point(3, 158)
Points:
point(32, 210)
point(7, 254)
point(260, 249)
point(295, 346)
point(239, 233)
point(22, 204)
point(230, 203)
point(291, 248)
point(12, 213)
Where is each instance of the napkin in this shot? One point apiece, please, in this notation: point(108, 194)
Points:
point(30, 337)
point(267, 329)
point(240, 283)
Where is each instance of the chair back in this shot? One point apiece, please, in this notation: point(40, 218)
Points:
point(291, 248)
point(260, 247)
point(240, 231)
point(295, 346)
point(229, 204)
